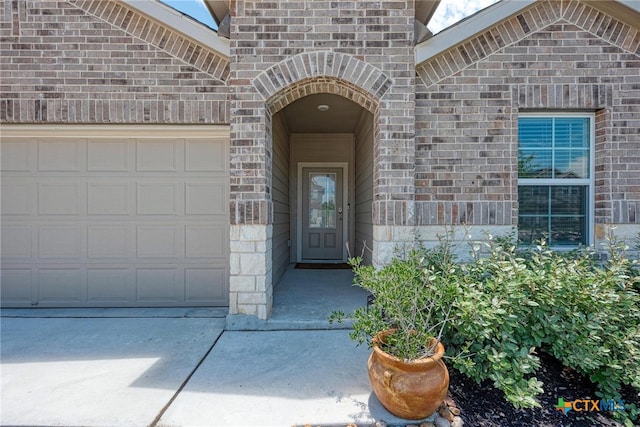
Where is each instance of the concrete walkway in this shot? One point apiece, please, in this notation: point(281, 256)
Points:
point(193, 366)
point(120, 368)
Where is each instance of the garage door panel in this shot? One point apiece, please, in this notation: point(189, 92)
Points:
point(157, 199)
point(206, 156)
point(157, 241)
point(156, 156)
point(111, 155)
point(59, 198)
point(108, 285)
point(157, 284)
point(104, 198)
point(16, 286)
point(17, 241)
point(60, 155)
point(59, 241)
point(114, 221)
point(60, 285)
point(17, 197)
point(205, 284)
point(15, 155)
point(109, 241)
point(206, 198)
point(203, 241)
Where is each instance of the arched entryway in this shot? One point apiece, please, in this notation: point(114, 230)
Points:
point(322, 192)
point(281, 142)
point(322, 180)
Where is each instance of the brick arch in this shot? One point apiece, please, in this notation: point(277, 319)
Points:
point(316, 85)
point(317, 71)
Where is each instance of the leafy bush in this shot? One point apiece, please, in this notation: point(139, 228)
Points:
point(590, 314)
point(407, 300)
point(502, 307)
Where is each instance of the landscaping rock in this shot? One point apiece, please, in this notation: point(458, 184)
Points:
point(441, 422)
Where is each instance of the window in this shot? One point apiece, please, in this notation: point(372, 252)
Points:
point(555, 178)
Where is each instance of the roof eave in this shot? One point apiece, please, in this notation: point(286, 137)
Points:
point(627, 11)
point(177, 21)
point(218, 8)
point(425, 10)
point(469, 27)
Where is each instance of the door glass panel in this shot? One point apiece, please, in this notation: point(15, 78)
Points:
point(322, 200)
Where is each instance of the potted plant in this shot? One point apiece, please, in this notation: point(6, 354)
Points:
point(403, 323)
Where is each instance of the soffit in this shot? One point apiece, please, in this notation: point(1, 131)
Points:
point(627, 11)
point(176, 21)
point(218, 8)
point(425, 10)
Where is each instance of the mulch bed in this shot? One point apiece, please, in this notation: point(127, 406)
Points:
point(485, 406)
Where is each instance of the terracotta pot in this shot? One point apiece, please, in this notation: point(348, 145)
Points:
point(410, 390)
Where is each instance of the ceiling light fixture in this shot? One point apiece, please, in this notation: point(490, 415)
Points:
point(323, 107)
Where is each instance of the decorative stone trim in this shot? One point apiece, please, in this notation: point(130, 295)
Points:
point(250, 259)
point(390, 241)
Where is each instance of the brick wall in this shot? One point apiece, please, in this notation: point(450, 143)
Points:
point(282, 50)
point(556, 56)
point(90, 61)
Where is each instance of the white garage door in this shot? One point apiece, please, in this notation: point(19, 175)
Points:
point(114, 216)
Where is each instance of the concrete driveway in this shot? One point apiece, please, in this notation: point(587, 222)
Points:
point(128, 368)
point(96, 371)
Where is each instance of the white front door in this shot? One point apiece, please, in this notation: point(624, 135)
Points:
point(323, 214)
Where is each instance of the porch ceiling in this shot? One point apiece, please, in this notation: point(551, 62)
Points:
point(303, 116)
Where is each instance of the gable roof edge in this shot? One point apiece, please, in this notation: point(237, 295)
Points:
point(469, 27)
point(181, 24)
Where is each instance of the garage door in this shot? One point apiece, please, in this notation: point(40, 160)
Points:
point(114, 216)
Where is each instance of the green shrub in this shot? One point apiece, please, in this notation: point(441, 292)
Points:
point(407, 300)
point(502, 307)
point(583, 311)
point(590, 312)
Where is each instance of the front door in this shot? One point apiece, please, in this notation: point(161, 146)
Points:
point(322, 214)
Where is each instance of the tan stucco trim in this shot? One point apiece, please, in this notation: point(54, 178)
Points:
point(117, 131)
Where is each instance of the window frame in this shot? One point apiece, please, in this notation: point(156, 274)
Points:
point(589, 182)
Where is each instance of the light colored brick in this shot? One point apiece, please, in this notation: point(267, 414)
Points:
point(241, 284)
point(257, 298)
point(253, 264)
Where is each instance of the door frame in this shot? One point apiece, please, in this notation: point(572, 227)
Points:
point(345, 202)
